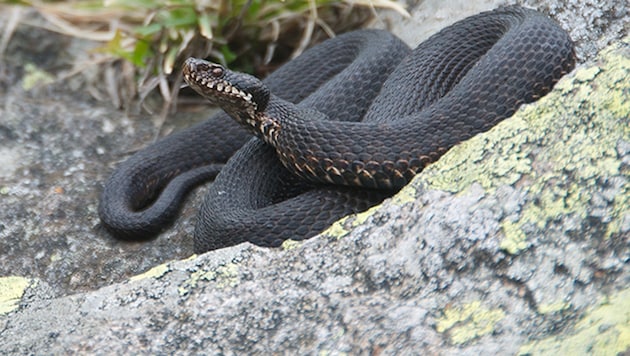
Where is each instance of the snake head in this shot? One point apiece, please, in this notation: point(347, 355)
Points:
point(239, 94)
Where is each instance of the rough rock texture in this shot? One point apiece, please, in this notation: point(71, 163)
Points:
point(517, 241)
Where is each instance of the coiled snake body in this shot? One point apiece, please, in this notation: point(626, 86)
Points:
point(369, 116)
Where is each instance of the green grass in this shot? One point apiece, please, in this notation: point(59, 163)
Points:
point(156, 36)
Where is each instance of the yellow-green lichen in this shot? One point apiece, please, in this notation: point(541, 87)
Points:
point(406, 195)
point(55, 257)
point(558, 150)
point(224, 276)
point(338, 229)
point(619, 209)
point(362, 217)
point(288, 245)
point(549, 308)
point(468, 322)
point(155, 272)
point(470, 161)
point(227, 276)
point(11, 291)
point(587, 74)
point(587, 152)
point(604, 330)
point(34, 76)
point(193, 279)
point(515, 240)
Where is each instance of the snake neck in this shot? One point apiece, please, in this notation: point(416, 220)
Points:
point(277, 121)
point(261, 124)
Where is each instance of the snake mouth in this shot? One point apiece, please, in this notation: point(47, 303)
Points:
point(212, 82)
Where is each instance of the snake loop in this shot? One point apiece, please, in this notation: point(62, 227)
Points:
point(344, 126)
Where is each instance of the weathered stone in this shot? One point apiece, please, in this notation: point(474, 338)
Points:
point(516, 241)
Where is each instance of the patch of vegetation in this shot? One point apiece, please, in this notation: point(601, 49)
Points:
point(146, 41)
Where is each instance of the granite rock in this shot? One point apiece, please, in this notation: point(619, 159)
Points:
point(516, 241)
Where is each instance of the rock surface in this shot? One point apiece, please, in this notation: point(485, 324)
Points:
point(516, 241)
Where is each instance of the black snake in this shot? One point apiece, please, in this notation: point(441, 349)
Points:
point(369, 114)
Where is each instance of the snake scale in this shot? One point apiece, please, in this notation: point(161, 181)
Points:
point(338, 129)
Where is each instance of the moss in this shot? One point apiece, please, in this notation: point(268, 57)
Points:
point(11, 291)
point(604, 330)
point(468, 322)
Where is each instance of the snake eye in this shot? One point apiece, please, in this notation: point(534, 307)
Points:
point(216, 72)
